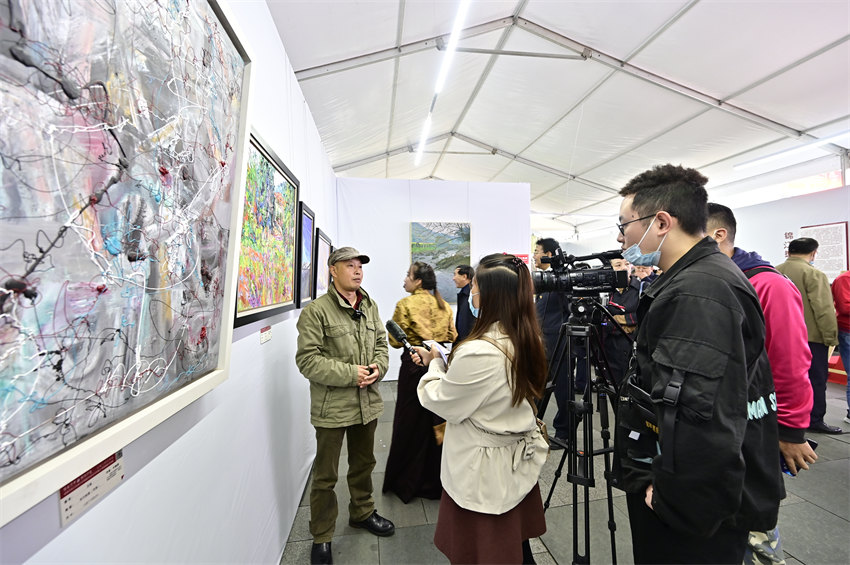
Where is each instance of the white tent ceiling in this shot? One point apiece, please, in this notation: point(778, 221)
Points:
point(708, 84)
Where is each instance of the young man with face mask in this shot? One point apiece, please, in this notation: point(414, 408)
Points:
point(706, 471)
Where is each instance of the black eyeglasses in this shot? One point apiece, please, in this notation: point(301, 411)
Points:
point(356, 315)
point(622, 227)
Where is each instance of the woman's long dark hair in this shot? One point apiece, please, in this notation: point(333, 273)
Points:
point(507, 298)
point(425, 273)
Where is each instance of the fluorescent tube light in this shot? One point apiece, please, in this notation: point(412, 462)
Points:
point(449, 53)
point(426, 129)
point(789, 152)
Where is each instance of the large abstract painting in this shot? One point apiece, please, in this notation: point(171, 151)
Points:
point(120, 142)
point(444, 246)
point(323, 253)
point(306, 223)
point(267, 260)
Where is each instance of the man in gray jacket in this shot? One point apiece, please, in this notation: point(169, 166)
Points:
point(342, 351)
point(819, 311)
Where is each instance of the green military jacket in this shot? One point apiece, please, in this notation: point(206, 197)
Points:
point(818, 306)
point(330, 346)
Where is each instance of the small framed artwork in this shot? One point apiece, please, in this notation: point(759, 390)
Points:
point(268, 268)
point(306, 224)
point(320, 265)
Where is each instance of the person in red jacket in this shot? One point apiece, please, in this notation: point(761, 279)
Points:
point(841, 297)
point(786, 341)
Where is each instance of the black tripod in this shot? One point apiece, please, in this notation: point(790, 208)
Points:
point(577, 331)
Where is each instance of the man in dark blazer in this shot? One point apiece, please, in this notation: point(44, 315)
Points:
point(465, 320)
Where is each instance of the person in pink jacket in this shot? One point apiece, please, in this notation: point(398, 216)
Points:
point(841, 297)
point(786, 338)
point(786, 341)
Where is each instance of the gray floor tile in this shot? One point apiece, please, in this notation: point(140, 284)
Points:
point(537, 546)
point(296, 553)
point(813, 536)
point(792, 561)
point(559, 534)
point(411, 545)
point(544, 559)
point(356, 549)
point(819, 486)
point(432, 510)
point(402, 515)
point(301, 527)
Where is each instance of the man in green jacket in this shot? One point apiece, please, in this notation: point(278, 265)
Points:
point(342, 351)
point(820, 321)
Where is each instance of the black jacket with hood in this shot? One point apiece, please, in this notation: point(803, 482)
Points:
point(701, 357)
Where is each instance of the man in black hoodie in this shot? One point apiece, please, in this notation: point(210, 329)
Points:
point(705, 472)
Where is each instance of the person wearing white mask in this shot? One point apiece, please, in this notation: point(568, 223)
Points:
point(696, 445)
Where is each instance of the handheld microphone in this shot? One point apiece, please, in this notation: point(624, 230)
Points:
point(399, 335)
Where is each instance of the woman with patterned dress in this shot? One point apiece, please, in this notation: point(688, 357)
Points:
point(413, 466)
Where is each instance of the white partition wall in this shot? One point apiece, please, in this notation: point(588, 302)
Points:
point(762, 227)
point(221, 480)
point(375, 215)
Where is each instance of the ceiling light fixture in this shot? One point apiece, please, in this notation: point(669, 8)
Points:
point(426, 129)
point(791, 151)
point(448, 56)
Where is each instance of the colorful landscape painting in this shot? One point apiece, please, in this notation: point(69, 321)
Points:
point(444, 246)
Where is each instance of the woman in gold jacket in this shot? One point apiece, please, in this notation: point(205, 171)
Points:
point(413, 465)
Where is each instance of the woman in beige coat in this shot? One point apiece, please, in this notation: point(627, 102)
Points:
point(493, 450)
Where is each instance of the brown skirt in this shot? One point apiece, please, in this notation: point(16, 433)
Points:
point(465, 536)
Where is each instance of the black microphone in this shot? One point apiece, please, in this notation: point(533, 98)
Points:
point(399, 335)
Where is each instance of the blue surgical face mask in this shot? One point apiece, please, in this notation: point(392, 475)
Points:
point(634, 256)
point(475, 311)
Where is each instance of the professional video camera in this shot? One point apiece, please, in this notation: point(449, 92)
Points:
point(580, 337)
point(571, 277)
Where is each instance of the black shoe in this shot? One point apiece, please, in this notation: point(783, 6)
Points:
point(321, 554)
point(376, 524)
point(557, 443)
point(824, 428)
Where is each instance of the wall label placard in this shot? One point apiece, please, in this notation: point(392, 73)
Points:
point(80, 494)
point(265, 334)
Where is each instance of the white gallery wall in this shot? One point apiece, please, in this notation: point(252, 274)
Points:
point(375, 216)
point(221, 480)
point(762, 227)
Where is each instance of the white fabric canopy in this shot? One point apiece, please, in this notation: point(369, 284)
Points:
point(706, 84)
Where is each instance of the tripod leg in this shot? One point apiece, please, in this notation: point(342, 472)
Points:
point(555, 478)
point(602, 406)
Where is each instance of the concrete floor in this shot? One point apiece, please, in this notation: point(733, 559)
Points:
point(814, 519)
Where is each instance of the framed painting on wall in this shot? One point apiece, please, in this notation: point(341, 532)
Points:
point(268, 267)
point(323, 253)
point(444, 246)
point(118, 220)
point(306, 224)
